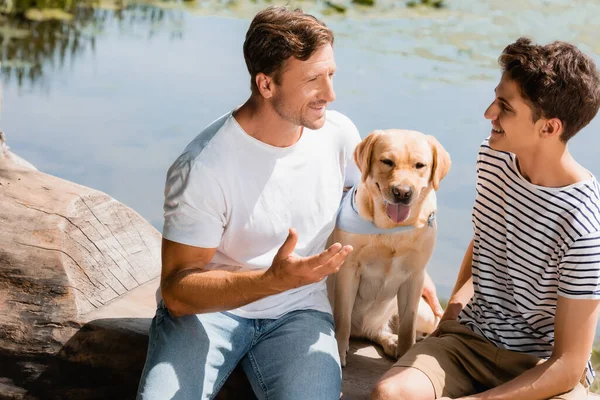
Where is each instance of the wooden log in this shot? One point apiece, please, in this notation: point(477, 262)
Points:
point(65, 251)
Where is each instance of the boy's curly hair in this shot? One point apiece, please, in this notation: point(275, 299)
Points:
point(557, 80)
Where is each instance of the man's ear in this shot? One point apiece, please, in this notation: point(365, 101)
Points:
point(441, 162)
point(362, 153)
point(264, 83)
point(552, 127)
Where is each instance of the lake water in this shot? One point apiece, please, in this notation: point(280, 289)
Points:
point(109, 97)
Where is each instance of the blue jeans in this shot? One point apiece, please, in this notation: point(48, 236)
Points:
point(293, 357)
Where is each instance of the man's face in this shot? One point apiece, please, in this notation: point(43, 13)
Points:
point(512, 127)
point(305, 88)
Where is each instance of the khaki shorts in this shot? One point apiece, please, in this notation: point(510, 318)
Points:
point(460, 362)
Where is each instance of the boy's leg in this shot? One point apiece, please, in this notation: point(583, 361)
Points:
point(404, 383)
point(579, 392)
point(513, 364)
point(295, 358)
point(191, 356)
point(456, 363)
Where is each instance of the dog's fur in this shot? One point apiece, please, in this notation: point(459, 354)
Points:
point(377, 292)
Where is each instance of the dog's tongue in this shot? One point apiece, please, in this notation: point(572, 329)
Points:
point(397, 212)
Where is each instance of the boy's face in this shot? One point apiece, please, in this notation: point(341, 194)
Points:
point(513, 129)
point(305, 88)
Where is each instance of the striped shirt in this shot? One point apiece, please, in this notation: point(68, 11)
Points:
point(531, 244)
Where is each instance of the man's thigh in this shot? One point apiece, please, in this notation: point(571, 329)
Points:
point(296, 358)
point(191, 356)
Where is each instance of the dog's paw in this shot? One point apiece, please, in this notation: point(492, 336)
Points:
point(402, 348)
point(390, 345)
point(343, 347)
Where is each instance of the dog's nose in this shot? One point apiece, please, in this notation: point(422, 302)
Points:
point(402, 193)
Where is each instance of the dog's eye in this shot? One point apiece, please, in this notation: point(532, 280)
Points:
point(420, 165)
point(388, 162)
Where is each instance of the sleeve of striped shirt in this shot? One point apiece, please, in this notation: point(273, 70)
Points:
point(579, 269)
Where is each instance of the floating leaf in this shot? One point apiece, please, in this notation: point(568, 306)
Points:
point(46, 14)
point(364, 2)
point(8, 32)
point(337, 7)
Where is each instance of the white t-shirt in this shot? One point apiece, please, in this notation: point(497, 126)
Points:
point(231, 191)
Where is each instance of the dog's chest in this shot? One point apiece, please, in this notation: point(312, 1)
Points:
point(382, 270)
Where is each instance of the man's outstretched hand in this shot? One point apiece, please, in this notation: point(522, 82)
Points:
point(290, 271)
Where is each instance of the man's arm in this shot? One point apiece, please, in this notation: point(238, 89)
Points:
point(574, 329)
point(189, 289)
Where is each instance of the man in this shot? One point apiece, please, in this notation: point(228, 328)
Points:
point(521, 320)
point(249, 207)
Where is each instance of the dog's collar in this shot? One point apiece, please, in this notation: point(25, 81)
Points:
point(349, 220)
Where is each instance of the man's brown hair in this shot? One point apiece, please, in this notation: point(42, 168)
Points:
point(278, 33)
point(557, 80)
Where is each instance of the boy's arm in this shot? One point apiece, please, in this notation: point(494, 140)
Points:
point(463, 289)
point(574, 330)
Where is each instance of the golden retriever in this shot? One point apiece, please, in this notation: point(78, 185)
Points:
point(377, 292)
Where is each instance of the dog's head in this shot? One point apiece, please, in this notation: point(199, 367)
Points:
point(398, 166)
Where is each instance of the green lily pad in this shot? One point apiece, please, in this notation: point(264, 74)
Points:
point(8, 32)
point(364, 2)
point(337, 7)
point(46, 14)
point(110, 5)
point(16, 64)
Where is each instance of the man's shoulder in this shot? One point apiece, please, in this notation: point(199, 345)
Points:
point(208, 135)
point(343, 128)
point(196, 149)
point(196, 153)
point(337, 120)
point(337, 117)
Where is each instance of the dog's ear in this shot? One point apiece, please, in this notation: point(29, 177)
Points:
point(362, 153)
point(441, 162)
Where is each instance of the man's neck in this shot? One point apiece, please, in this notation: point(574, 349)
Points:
point(259, 120)
point(551, 167)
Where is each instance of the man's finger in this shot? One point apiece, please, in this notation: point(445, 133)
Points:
point(334, 262)
point(289, 245)
point(324, 257)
